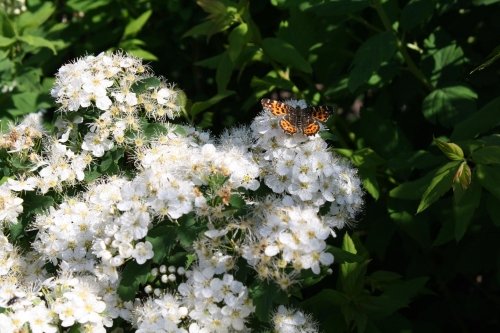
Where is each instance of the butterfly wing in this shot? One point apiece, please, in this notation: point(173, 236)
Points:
point(320, 113)
point(277, 108)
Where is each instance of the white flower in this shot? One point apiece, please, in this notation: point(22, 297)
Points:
point(143, 251)
point(10, 205)
point(163, 95)
point(96, 144)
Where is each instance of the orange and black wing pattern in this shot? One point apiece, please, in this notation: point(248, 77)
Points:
point(277, 108)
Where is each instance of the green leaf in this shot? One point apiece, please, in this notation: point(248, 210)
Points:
point(395, 297)
point(339, 8)
point(479, 122)
point(451, 150)
point(143, 54)
point(489, 177)
point(264, 296)
point(464, 208)
point(25, 102)
point(446, 64)
point(448, 105)
point(416, 12)
point(145, 84)
point(286, 54)
point(37, 41)
point(370, 183)
point(4, 41)
point(237, 40)
point(487, 155)
point(493, 208)
point(133, 276)
point(484, 2)
point(342, 256)
point(352, 274)
point(198, 107)
point(34, 19)
point(163, 238)
point(86, 5)
point(224, 72)
point(440, 184)
point(325, 306)
point(135, 25)
point(188, 231)
point(411, 190)
point(375, 51)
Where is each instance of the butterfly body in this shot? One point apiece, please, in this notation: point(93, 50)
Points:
point(295, 120)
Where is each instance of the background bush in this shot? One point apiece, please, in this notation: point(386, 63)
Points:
point(416, 87)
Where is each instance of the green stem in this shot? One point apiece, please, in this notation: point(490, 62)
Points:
point(402, 48)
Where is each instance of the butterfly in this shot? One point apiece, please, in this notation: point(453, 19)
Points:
point(295, 120)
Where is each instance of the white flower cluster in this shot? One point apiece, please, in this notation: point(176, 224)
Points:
point(287, 234)
point(13, 7)
point(23, 136)
point(10, 205)
point(288, 320)
point(90, 236)
point(210, 300)
point(78, 299)
point(302, 167)
point(109, 82)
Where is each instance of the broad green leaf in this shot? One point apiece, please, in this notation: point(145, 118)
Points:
point(411, 190)
point(352, 274)
point(493, 208)
point(375, 51)
point(86, 5)
point(188, 231)
point(133, 276)
point(484, 2)
point(4, 41)
point(446, 65)
point(25, 102)
point(37, 41)
point(415, 13)
point(413, 225)
point(135, 25)
point(30, 19)
point(489, 177)
point(201, 29)
point(487, 155)
point(395, 296)
point(145, 84)
point(201, 106)
point(339, 8)
point(211, 62)
point(367, 157)
point(479, 122)
point(341, 255)
point(143, 54)
point(265, 297)
point(464, 208)
point(448, 105)
point(224, 72)
point(370, 183)
point(237, 39)
point(451, 150)
point(325, 307)
point(286, 54)
point(163, 239)
point(441, 183)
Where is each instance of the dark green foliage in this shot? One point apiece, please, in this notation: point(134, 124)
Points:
point(416, 84)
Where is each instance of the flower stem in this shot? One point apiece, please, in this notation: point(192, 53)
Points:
point(400, 44)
